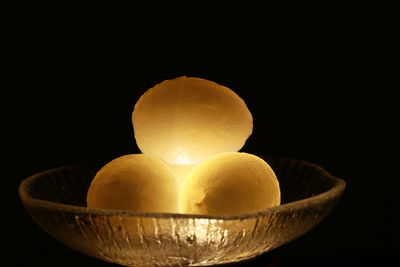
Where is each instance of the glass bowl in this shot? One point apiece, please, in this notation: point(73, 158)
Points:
point(56, 200)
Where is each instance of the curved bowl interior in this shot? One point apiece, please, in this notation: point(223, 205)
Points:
point(56, 200)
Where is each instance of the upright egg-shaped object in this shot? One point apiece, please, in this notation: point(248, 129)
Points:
point(135, 182)
point(185, 120)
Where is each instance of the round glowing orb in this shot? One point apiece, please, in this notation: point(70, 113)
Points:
point(185, 120)
point(229, 184)
point(134, 182)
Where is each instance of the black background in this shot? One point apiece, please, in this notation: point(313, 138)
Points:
point(315, 77)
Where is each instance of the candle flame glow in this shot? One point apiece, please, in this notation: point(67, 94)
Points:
point(183, 159)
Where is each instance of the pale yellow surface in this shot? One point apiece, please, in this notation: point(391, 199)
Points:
point(136, 182)
point(181, 172)
point(228, 184)
point(185, 120)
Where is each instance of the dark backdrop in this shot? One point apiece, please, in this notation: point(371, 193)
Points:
point(314, 77)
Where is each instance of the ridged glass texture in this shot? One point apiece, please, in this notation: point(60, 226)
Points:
point(56, 201)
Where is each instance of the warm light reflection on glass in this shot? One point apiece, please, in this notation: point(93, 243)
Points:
point(208, 230)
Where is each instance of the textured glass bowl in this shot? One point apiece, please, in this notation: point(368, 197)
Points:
point(56, 200)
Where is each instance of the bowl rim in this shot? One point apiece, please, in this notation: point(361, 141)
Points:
point(337, 189)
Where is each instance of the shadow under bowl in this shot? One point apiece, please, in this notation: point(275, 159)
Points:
point(56, 200)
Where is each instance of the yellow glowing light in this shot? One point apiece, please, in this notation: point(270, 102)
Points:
point(228, 184)
point(134, 182)
point(189, 130)
point(181, 158)
point(185, 120)
point(181, 172)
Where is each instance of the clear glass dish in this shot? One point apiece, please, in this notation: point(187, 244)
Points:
point(56, 200)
